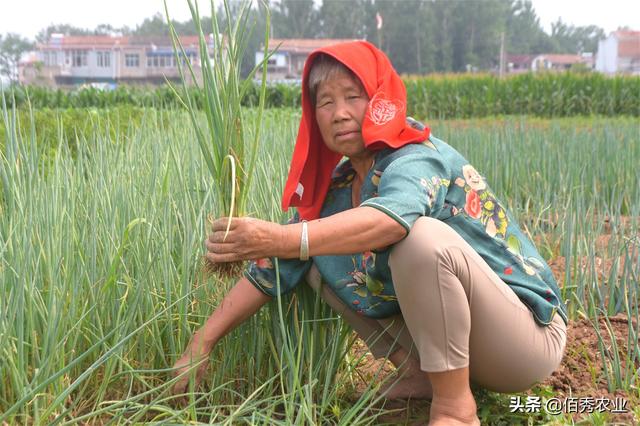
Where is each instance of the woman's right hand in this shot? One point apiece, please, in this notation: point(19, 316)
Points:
point(242, 301)
point(193, 358)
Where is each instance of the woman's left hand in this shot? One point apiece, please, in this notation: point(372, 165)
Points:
point(248, 239)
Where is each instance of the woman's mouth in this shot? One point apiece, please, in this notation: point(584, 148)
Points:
point(346, 134)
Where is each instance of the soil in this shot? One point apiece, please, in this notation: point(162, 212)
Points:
point(581, 373)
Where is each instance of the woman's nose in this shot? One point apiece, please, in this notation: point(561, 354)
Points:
point(341, 112)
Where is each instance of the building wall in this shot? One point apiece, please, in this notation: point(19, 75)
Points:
point(629, 65)
point(61, 65)
point(278, 68)
point(131, 71)
point(607, 56)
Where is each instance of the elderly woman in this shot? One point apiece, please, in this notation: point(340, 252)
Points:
point(402, 231)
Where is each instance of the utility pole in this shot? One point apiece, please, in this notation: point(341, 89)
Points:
point(502, 58)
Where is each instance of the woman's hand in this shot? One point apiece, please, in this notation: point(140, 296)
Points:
point(193, 357)
point(242, 301)
point(247, 239)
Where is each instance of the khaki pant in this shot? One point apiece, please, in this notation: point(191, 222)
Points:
point(456, 312)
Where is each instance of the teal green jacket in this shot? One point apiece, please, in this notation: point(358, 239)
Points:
point(426, 179)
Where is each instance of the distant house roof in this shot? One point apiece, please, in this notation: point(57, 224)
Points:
point(63, 41)
point(162, 41)
point(520, 60)
point(628, 43)
point(303, 45)
point(560, 59)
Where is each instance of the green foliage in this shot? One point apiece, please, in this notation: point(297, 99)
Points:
point(571, 39)
point(12, 46)
point(228, 142)
point(295, 19)
point(541, 95)
point(436, 96)
point(73, 124)
point(100, 245)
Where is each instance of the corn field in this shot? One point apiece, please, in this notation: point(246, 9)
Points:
point(435, 96)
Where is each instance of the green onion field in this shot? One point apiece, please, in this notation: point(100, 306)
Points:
point(102, 221)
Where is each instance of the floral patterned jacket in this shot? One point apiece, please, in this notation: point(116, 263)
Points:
point(426, 179)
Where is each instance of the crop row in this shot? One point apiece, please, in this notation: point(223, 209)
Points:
point(443, 96)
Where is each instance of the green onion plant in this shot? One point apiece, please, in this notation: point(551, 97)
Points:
point(228, 147)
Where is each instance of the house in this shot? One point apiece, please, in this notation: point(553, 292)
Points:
point(287, 63)
point(517, 64)
point(558, 62)
point(619, 53)
point(547, 62)
point(72, 60)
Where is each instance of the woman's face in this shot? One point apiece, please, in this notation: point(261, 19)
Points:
point(340, 107)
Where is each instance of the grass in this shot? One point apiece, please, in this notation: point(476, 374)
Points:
point(100, 288)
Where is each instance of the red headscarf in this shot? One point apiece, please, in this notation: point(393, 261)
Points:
point(384, 125)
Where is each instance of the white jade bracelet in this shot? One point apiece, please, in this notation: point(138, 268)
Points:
point(304, 242)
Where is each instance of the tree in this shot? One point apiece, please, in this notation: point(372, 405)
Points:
point(571, 39)
point(524, 31)
point(66, 29)
point(155, 26)
point(44, 35)
point(12, 46)
point(107, 29)
point(294, 19)
point(404, 34)
point(342, 19)
point(477, 30)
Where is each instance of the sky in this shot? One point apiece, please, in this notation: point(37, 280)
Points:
point(27, 17)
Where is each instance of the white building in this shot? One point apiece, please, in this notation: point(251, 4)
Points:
point(104, 59)
point(619, 53)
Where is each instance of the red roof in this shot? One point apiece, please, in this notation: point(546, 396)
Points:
point(520, 59)
point(85, 41)
point(162, 41)
point(563, 59)
point(304, 45)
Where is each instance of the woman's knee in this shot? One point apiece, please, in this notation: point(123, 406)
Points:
point(423, 242)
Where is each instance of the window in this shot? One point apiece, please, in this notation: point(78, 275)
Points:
point(49, 58)
point(149, 61)
point(103, 59)
point(131, 60)
point(78, 58)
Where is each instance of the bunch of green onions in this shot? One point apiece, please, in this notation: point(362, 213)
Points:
point(229, 152)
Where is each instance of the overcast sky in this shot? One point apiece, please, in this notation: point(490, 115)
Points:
point(27, 17)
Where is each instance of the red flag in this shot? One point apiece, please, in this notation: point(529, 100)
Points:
point(378, 20)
